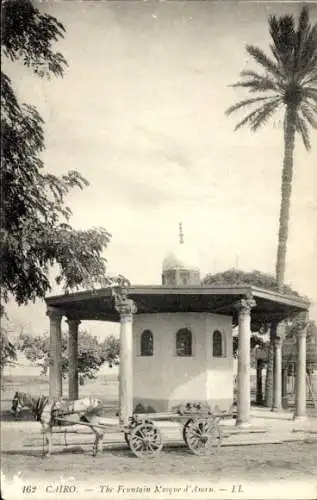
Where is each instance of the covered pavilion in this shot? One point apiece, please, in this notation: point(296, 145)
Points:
point(247, 305)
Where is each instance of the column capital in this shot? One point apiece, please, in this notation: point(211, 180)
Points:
point(124, 306)
point(302, 333)
point(278, 342)
point(54, 313)
point(245, 305)
point(73, 321)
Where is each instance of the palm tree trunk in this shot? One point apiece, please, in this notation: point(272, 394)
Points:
point(286, 189)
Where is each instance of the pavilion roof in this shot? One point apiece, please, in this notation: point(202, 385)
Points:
point(99, 304)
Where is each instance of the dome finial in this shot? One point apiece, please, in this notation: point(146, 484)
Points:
point(181, 234)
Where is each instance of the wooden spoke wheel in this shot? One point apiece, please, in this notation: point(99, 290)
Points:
point(145, 440)
point(127, 438)
point(188, 423)
point(202, 436)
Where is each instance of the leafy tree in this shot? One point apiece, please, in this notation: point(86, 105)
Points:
point(111, 350)
point(35, 229)
point(253, 278)
point(8, 354)
point(92, 354)
point(255, 341)
point(288, 80)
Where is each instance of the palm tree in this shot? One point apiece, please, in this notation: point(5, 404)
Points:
point(288, 81)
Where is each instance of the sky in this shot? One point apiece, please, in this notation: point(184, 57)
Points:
point(140, 112)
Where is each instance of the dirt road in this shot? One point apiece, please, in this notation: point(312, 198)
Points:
point(274, 461)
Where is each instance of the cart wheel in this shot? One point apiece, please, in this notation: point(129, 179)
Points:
point(202, 436)
point(145, 440)
point(185, 430)
point(127, 438)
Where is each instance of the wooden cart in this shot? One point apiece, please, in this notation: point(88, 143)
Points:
point(201, 429)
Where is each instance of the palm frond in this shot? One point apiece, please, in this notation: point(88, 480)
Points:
point(260, 115)
point(253, 86)
point(245, 103)
point(310, 76)
point(265, 113)
point(308, 114)
point(262, 59)
point(265, 79)
point(283, 34)
point(302, 129)
point(306, 57)
point(303, 22)
point(311, 105)
point(256, 83)
point(247, 119)
point(311, 93)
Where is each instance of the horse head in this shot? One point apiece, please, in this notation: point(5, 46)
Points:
point(17, 404)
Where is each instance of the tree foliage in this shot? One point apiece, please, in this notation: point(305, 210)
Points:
point(28, 35)
point(8, 354)
point(92, 354)
point(111, 350)
point(297, 324)
point(252, 278)
point(255, 341)
point(35, 229)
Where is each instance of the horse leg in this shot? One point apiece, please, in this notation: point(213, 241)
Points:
point(101, 436)
point(98, 443)
point(44, 440)
point(95, 445)
point(50, 436)
point(47, 437)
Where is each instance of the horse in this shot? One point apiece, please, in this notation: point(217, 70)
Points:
point(50, 413)
point(23, 400)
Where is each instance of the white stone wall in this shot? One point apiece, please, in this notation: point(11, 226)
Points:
point(219, 369)
point(167, 377)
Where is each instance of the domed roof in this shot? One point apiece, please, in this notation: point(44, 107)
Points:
point(182, 257)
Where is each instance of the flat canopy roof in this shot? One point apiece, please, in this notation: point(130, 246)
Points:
point(99, 304)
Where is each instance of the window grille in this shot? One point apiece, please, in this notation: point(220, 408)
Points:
point(184, 342)
point(217, 350)
point(147, 343)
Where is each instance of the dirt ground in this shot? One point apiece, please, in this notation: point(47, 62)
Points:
point(296, 460)
point(284, 462)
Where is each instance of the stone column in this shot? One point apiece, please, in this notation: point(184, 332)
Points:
point(270, 367)
point(277, 377)
point(300, 396)
point(244, 392)
point(282, 334)
point(259, 385)
point(73, 358)
point(55, 364)
point(284, 386)
point(126, 308)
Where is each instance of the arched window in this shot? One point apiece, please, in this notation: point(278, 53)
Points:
point(184, 342)
point(217, 350)
point(147, 343)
